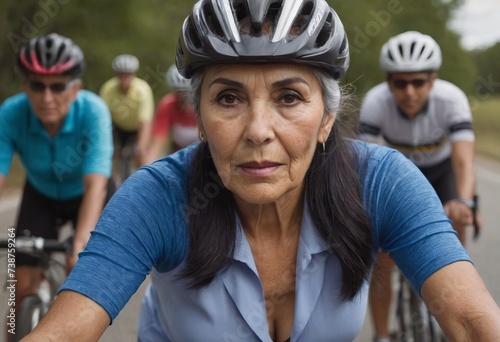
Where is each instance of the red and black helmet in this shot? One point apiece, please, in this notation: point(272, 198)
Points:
point(263, 31)
point(51, 54)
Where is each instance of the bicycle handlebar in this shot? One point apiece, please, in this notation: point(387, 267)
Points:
point(474, 217)
point(35, 244)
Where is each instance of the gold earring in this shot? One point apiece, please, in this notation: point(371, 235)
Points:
point(200, 135)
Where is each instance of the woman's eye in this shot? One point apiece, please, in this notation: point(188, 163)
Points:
point(290, 98)
point(227, 99)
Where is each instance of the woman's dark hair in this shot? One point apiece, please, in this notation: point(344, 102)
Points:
point(333, 194)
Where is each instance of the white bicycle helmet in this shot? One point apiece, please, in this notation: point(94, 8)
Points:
point(176, 80)
point(125, 64)
point(410, 52)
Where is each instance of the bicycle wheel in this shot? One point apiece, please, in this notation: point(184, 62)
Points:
point(31, 311)
point(411, 315)
point(402, 329)
point(123, 169)
point(424, 326)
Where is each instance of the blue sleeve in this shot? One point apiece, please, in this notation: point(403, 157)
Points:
point(408, 218)
point(142, 226)
point(6, 143)
point(100, 137)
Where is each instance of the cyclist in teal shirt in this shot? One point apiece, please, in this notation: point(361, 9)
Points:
point(62, 135)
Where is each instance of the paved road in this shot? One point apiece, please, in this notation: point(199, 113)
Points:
point(484, 252)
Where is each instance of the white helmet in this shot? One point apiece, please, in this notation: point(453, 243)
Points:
point(410, 52)
point(176, 80)
point(125, 64)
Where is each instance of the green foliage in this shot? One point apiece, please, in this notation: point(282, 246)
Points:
point(488, 64)
point(486, 121)
point(103, 29)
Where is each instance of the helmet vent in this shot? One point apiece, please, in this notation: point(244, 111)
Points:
point(326, 32)
point(412, 48)
point(302, 20)
point(389, 55)
point(343, 46)
point(240, 10)
point(242, 15)
point(263, 26)
point(270, 19)
point(422, 52)
point(400, 47)
point(212, 21)
point(60, 53)
point(193, 37)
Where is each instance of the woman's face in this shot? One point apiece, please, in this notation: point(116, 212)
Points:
point(262, 123)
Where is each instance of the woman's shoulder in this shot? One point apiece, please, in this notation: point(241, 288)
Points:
point(365, 150)
point(158, 192)
point(169, 171)
point(375, 159)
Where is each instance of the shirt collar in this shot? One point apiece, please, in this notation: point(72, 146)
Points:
point(310, 240)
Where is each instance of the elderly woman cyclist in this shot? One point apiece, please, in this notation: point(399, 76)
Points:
point(266, 230)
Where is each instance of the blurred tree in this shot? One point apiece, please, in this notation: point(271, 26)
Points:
point(103, 29)
point(488, 65)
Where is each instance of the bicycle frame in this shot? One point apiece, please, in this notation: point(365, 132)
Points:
point(413, 320)
point(124, 163)
point(32, 308)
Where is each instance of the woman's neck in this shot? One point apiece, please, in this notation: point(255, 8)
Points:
point(272, 221)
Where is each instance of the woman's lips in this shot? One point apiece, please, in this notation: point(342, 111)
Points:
point(259, 169)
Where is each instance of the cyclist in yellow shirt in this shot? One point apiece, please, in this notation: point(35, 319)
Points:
point(131, 102)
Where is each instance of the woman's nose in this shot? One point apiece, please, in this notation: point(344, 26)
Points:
point(259, 128)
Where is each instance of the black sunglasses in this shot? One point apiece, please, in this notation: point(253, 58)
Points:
point(39, 87)
point(416, 83)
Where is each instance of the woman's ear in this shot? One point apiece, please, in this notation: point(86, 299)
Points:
point(326, 127)
point(201, 130)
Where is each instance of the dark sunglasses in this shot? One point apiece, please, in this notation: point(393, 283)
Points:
point(39, 87)
point(416, 83)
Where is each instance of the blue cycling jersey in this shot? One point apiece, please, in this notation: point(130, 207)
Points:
point(55, 166)
point(144, 226)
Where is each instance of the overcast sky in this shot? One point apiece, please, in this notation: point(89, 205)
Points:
point(478, 22)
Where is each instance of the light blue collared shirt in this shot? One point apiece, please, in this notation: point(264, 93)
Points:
point(143, 227)
point(232, 307)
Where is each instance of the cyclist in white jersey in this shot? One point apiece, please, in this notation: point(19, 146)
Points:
point(429, 120)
